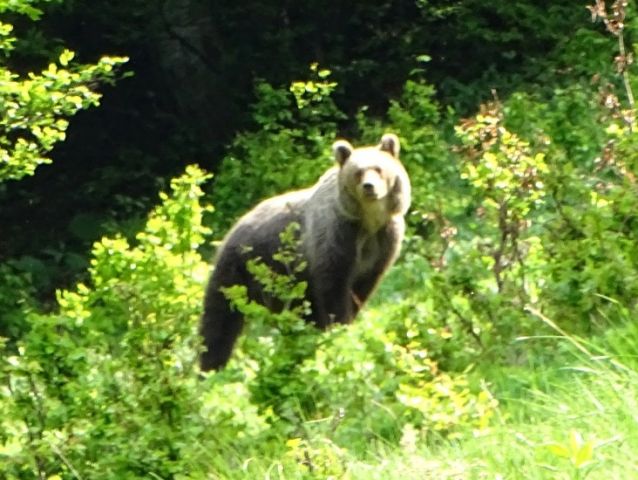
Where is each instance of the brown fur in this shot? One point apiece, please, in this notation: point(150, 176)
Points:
point(351, 231)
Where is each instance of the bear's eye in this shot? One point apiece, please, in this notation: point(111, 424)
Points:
point(378, 170)
point(358, 174)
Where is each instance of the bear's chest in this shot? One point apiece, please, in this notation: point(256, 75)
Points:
point(374, 215)
point(367, 254)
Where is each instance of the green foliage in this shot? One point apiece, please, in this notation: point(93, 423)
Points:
point(345, 393)
point(295, 128)
point(390, 384)
point(371, 50)
point(416, 117)
point(24, 7)
point(511, 220)
point(16, 299)
point(507, 177)
point(593, 238)
point(572, 419)
point(105, 388)
point(578, 451)
point(321, 459)
point(34, 109)
point(34, 112)
point(465, 364)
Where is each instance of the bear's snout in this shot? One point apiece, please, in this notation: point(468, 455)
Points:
point(371, 185)
point(368, 188)
point(370, 191)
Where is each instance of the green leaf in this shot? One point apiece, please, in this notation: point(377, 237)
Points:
point(65, 57)
point(584, 455)
point(558, 450)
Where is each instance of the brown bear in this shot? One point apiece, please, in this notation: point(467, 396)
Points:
point(351, 228)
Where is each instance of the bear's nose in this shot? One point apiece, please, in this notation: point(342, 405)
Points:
point(368, 187)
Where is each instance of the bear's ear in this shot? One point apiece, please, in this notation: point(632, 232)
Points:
point(390, 143)
point(342, 151)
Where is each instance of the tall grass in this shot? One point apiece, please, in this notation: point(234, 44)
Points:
point(569, 414)
point(575, 417)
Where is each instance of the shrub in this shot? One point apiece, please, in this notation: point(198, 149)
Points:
point(35, 108)
point(107, 387)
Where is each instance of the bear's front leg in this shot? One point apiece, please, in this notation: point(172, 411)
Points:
point(331, 297)
point(334, 305)
point(331, 254)
point(386, 252)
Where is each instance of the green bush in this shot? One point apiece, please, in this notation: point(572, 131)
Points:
point(107, 387)
point(35, 108)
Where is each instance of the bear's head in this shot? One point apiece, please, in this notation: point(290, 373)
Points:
point(373, 177)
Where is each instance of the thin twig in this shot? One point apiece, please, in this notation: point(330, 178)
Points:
point(41, 419)
point(467, 323)
point(625, 73)
point(65, 460)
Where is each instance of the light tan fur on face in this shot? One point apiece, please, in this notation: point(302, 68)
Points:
point(375, 205)
point(372, 185)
